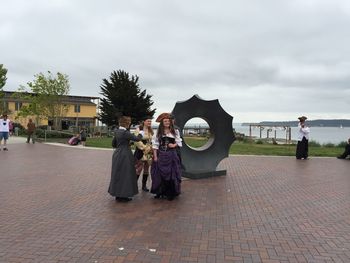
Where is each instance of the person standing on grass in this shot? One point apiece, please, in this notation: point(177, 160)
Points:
point(31, 131)
point(4, 130)
point(346, 152)
point(302, 151)
point(83, 136)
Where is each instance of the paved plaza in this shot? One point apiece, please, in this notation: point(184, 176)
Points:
point(54, 207)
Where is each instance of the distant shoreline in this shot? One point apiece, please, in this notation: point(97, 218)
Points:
point(342, 123)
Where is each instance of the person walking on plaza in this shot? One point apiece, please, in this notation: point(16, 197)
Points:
point(4, 130)
point(123, 184)
point(11, 126)
point(166, 169)
point(346, 152)
point(143, 152)
point(302, 151)
point(31, 131)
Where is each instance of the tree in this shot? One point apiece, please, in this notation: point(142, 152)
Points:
point(123, 96)
point(3, 72)
point(46, 97)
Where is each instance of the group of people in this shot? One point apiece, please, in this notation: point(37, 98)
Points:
point(5, 131)
point(302, 151)
point(156, 153)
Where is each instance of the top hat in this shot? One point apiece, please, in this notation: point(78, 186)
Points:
point(302, 118)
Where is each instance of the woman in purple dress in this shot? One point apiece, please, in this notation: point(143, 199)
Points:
point(166, 169)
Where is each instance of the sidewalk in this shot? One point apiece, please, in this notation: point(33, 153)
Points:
point(16, 139)
point(54, 207)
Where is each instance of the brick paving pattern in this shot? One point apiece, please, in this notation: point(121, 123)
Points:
point(54, 207)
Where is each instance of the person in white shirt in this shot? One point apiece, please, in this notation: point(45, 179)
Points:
point(303, 139)
point(4, 130)
point(166, 167)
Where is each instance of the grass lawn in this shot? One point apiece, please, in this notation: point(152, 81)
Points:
point(242, 148)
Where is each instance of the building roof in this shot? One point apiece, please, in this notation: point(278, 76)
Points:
point(69, 98)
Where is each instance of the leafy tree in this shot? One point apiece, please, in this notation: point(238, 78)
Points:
point(123, 96)
point(3, 72)
point(46, 97)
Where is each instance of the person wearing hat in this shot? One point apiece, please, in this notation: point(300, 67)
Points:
point(123, 184)
point(166, 169)
point(4, 130)
point(302, 151)
point(143, 152)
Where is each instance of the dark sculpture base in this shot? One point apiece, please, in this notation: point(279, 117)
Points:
point(203, 174)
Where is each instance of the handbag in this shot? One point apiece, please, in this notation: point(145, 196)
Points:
point(138, 154)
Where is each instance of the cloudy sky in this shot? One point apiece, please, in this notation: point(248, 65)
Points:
point(263, 60)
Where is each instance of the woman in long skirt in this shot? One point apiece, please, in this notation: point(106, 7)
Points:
point(123, 184)
point(166, 169)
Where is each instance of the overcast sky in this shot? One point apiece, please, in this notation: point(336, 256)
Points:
point(263, 60)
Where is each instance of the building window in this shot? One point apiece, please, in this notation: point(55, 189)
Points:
point(76, 108)
point(6, 106)
point(18, 106)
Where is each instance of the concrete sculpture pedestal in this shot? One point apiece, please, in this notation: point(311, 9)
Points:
point(202, 162)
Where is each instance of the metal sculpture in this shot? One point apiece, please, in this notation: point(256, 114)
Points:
point(202, 162)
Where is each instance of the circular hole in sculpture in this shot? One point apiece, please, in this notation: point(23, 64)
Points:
point(197, 135)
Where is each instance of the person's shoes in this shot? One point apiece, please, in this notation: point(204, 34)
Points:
point(5, 149)
point(123, 199)
point(157, 196)
point(145, 189)
point(340, 157)
point(27, 142)
point(170, 198)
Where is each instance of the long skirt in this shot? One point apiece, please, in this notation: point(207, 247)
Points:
point(302, 149)
point(166, 174)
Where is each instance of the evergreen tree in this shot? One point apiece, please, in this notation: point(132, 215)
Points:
point(3, 72)
point(123, 96)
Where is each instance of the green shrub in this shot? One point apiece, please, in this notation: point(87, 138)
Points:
point(313, 143)
point(329, 145)
point(259, 142)
point(19, 127)
point(40, 133)
point(342, 144)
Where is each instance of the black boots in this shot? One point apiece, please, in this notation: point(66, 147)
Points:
point(144, 182)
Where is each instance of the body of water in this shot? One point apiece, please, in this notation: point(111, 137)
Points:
point(321, 135)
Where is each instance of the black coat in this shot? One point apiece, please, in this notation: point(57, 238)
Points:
point(123, 177)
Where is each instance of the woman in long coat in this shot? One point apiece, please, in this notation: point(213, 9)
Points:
point(123, 184)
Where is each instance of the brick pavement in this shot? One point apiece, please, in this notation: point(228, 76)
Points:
point(54, 207)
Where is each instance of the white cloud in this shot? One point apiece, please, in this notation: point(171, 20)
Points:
point(261, 59)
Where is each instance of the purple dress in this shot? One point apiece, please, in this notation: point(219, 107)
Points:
point(166, 172)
